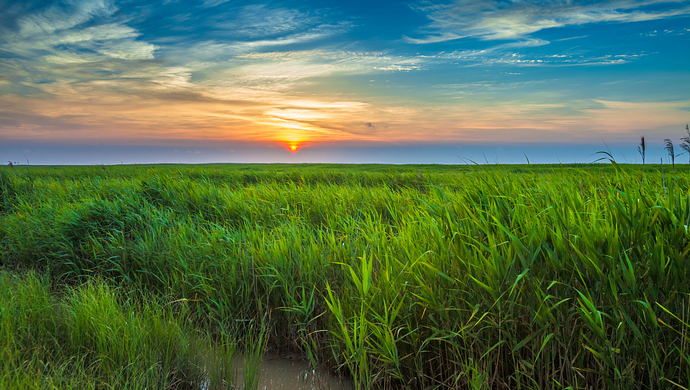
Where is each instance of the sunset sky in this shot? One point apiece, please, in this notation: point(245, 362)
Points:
point(102, 82)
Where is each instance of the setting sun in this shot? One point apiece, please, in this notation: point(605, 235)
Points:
point(293, 146)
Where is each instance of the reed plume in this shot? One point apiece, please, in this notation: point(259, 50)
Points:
point(642, 150)
point(685, 145)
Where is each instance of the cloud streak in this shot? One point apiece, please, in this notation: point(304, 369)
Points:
point(513, 20)
point(55, 18)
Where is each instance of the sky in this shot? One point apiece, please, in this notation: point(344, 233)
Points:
point(419, 81)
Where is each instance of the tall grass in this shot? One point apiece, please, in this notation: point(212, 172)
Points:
point(499, 277)
point(97, 336)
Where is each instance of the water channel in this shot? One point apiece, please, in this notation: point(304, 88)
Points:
point(294, 373)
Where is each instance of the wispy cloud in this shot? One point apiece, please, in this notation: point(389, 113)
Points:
point(311, 63)
point(59, 18)
point(79, 32)
point(666, 32)
point(511, 54)
point(508, 20)
point(99, 72)
point(215, 50)
point(213, 3)
point(234, 30)
point(261, 20)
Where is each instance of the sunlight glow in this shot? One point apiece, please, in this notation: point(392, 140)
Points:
point(293, 146)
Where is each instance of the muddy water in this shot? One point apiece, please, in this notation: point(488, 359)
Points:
point(281, 373)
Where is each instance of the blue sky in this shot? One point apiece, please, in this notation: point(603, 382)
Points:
point(248, 81)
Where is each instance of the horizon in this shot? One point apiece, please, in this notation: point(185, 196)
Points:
point(46, 154)
point(83, 81)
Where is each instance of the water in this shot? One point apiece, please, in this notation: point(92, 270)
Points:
point(294, 373)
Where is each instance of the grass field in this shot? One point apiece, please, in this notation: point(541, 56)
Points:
point(419, 277)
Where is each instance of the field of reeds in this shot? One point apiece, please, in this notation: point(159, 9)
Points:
point(400, 277)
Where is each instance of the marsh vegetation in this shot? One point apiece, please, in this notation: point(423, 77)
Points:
point(419, 277)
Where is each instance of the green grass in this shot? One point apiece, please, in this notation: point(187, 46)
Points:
point(97, 336)
point(420, 277)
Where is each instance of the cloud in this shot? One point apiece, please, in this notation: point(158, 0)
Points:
point(107, 80)
point(621, 116)
point(84, 72)
point(666, 32)
point(91, 47)
point(270, 23)
point(260, 20)
point(213, 3)
point(318, 63)
point(498, 50)
point(215, 50)
point(509, 54)
point(72, 45)
point(67, 34)
point(247, 29)
point(56, 18)
point(512, 20)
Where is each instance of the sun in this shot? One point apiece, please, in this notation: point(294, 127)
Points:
point(293, 146)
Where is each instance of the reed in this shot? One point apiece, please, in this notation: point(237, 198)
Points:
point(255, 347)
point(671, 154)
point(497, 277)
point(642, 149)
point(685, 144)
point(97, 336)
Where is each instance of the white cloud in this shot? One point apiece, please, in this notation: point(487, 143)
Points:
point(213, 3)
point(493, 20)
point(259, 20)
point(104, 32)
point(291, 39)
point(223, 50)
point(277, 75)
point(310, 63)
point(53, 43)
point(113, 40)
point(129, 50)
point(55, 18)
